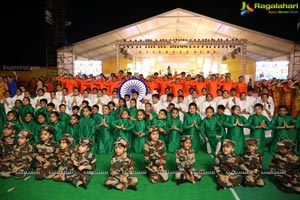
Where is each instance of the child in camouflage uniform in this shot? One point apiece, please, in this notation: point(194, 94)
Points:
point(285, 167)
point(121, 168)
point(45, 154)
point(185, 159)
point(250, 162)
point(64, 158)
point(6, 147)
point(155, 157)
point(84, 163)
point(226, 166)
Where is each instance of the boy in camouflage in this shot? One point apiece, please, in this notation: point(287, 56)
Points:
point(84, 163)
point(6, 147)
point(121, 168)
point(155, 157)
point(250, 162)
point(285, 167)
point(226, 166)
point(45, 154)
point(185, 159)
point(22, 156)
point(64, 158)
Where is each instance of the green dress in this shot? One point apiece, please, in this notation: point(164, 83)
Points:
point(188, 120)
point(104, 136)
point(65, 119)
point(132, 112)
point(59, 130)
point(128, 124)
point(87, 128)
point(148, 121)
point(25, 109)
point(37, 132)
point(118, 111)
point(222, 118)
point(174, 135)
point(40, 110)
point(278, 121)
point(236, 133)
point(73, 130)
point(3, 118)
point(210, 128)
point(138, 142)
point(259, 133)
point(298, 134)
point(162, 123)
point(30, 126)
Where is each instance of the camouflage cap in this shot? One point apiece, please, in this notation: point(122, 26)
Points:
point(228, 142)
point(183, 138)
point(153, 129)
point(286, 143)
point(85, 141)
point(122, 141)
point(48, 128)
point(9, 125)
point(69, 138)
point(24, 133)
point(252, 141)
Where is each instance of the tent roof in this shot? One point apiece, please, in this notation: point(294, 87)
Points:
point(180, 23)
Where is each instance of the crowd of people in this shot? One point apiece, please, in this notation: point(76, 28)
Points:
point(181, 114)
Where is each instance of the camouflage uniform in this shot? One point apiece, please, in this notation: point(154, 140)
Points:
point(122, 166)
point(185, 159)
point(47, 151)
point(285, 168)
point(227, 165)
point(86, 159)
point(65, 163)
point(250, 161)
point(6, 149)
point(155, 156)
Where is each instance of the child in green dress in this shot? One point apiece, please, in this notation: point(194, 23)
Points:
point(123, 126)
point(174, 126)
point(140, 132)
point(57, 124)
point(132, 109)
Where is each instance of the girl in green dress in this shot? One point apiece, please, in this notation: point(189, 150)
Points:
point(191, 126)
point(150, 114)
point(282, 125)
point(41, 121)
point(123, 126)
point(104, 137)
point(25, 108)
point(29, 124)
point(212, 131)
point(57, 124)
point(112, 108)
point(73, 128)
point(258, 124)
point(235, 124)
point(174, 127)
point(132, 110)
point(140, 132)
point(121, 107)
point(63, 116)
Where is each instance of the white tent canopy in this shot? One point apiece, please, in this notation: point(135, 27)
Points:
point(180, 23)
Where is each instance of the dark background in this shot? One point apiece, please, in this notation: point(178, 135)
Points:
point(27, 40)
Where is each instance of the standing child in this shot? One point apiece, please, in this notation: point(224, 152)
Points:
point(212, 131)
point(84, 163)
point(191, 126)
point(140, 132)
point(121, 168)
point(22, 156)
point(185, 160)
point(45, 154)
point(105, 137)
point(235, 124)
point(285, 167)
point(73, 128)
point(258, 124)
point(250, 162)
point(6, 146)
point(282, 125)
point(155, 157)
point(174, 127)
point(226, 166)
point(123, 126)
point(65, 163)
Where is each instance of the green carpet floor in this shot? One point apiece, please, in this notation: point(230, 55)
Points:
point(205, 189)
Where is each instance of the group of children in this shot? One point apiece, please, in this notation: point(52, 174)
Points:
point(95, 123)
